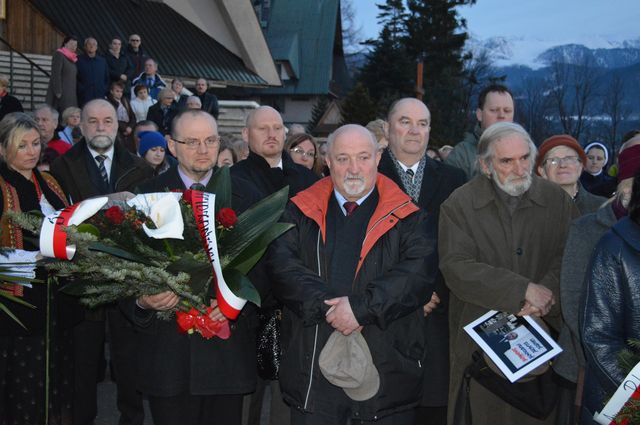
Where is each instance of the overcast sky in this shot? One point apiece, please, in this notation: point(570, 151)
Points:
point(563, 21)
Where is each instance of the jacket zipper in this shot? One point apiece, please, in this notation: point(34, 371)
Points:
point(315, 338)
point(380, 220)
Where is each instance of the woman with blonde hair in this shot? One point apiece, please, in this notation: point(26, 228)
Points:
point(36, 371)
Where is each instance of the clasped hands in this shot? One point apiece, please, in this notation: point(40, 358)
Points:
point(340, 316)
point(167, 300)
point(538, 301)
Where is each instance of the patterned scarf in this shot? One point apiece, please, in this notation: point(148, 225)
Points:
point(411, 185)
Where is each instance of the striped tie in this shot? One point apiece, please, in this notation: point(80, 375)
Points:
point(410, 173)
point(101, 167)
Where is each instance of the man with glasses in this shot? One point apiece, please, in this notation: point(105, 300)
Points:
point(136, 53)
point(561, 160)
point(191, 380)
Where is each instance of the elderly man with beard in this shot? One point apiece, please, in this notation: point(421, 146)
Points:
point(100, 165)
point(501, 240)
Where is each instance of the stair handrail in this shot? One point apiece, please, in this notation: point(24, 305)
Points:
point(32, 63)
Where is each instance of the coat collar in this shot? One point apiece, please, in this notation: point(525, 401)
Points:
point(628, 231)
point(485, 192)
point(314, 201)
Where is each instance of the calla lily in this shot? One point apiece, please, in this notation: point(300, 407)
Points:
point(166, 215)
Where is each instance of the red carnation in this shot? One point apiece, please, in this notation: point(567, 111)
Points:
point(227, 218)
point(115, 215)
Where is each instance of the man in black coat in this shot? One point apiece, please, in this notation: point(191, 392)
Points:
point(270, 169)
point(209, 100)
point(268, 166)
point(361, 259)
point(191, 380)
point(100, 165)
point(429, 183)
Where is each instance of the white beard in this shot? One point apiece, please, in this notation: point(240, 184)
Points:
point(101, 142)
point(513, 189)
point(353, 185)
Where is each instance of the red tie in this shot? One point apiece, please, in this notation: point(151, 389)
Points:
point(350, 207)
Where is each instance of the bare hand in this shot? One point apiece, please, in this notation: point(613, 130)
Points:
point(539, 296)
point(340, 316)
point(431, 305)
point(123, 77)
point(529, 310)
point(161, 302)
point(127, 131)
point(216, 314)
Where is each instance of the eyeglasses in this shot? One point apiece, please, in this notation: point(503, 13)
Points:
point(302, 153)
point(569, 160)
point(194, 144)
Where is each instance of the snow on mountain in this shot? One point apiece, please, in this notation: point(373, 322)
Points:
point(537, 52)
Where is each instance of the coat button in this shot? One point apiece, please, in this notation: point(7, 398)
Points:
point(519, 251)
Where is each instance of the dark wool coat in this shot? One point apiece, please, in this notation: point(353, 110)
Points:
point(78, 174)
point(488, 257)
point(438, 182)
point(169, 362)
point(61, 92)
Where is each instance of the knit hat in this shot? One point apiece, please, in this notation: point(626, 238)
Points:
point(150, 139)
point(598, 145)
point(559, 140)
point(628, 162)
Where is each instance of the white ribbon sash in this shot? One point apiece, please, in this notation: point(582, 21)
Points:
point(53, 238)
point(204, 212)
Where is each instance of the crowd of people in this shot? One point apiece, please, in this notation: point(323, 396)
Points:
point(394, 251)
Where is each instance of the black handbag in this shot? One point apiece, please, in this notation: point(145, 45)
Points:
point(536, 397)
point(268, 351)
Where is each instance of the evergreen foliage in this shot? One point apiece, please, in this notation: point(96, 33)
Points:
point(431, 31)
point(319, 108)
point(358, 107)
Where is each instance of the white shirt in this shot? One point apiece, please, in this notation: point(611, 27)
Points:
point(107, 162)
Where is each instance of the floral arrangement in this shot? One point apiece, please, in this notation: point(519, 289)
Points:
point(167, 241)
point(630, 412)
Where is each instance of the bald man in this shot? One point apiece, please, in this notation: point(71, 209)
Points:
point(268, 167)
point(358, 266)
point(429, 183)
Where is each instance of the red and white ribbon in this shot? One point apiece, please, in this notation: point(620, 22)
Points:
point(204, 212)
point(53, 238)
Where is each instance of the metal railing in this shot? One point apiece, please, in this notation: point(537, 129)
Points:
point(32, 66)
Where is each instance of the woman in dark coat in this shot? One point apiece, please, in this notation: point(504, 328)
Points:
point(36, 362)
point(610, 313)
point(62, 86)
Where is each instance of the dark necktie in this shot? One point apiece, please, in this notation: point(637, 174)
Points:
point(197, 186)
point(101, 167)
point(410, 173)
point(350, 207)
